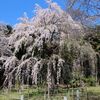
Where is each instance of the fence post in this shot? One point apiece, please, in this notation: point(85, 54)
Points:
point(77, 94)
point(65, 98)
point(72, 94)
point(45, 96)
point(22, 97)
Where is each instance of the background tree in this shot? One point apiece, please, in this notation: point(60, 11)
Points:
point(94, 39)
point(84, 10)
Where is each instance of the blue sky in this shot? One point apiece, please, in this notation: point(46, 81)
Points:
point(11, 10)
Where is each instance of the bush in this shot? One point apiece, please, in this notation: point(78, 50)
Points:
point(90, 81)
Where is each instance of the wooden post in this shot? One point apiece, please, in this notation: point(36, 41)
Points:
point(65, 98)
point(77, 95)
point(45, 96)
point(72, 94)
point(22, 97)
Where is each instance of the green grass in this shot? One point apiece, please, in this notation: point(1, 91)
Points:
point(34, 93)
point(9, 96)
point(94, 90)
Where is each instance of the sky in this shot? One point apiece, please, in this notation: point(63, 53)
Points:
point(11, 10)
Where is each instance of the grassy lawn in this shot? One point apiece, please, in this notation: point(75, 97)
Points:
point(39, 94)
point(94, 90)
point(33, 94)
